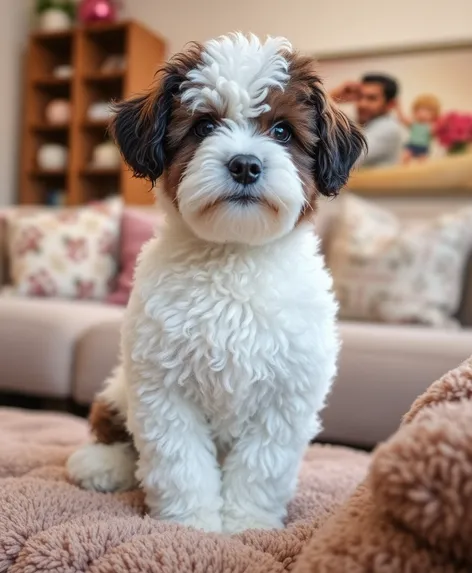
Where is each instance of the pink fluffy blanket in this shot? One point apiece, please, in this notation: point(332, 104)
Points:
point(48, 524)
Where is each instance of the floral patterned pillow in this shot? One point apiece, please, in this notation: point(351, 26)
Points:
point(388, 270)
point(69, 253)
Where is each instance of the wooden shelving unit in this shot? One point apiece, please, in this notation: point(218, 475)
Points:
point(85, 49)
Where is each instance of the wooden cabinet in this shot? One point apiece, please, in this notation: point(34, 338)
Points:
point(107, 62)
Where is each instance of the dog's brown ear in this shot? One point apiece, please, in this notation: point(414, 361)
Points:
point(140, 126)
point(339, 144)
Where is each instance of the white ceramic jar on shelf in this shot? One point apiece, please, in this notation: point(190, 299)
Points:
point(106, 156)
point(52, 157)
point(100, 111)
point(58, 111)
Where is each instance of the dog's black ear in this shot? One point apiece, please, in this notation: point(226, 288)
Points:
point(339, 144)
point(140, 127)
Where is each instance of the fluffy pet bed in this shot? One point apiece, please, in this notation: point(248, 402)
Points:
point(47, 524)
point(412, 514)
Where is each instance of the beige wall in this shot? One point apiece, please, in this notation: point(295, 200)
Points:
point(13, 29)
point(312, 25)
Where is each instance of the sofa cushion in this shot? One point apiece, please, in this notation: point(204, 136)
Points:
point(388, 270)
point(137, 227)
point(67, 253)
point(37, 342)
point(382, 369)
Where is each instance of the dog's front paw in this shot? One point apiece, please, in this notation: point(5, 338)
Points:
point(235, 522)
point(102, 467)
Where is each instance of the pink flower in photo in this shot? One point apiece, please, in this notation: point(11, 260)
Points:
point(85, 289)
point(41, 284)
point(454, 128)
point(29, 241)
point(76, 249)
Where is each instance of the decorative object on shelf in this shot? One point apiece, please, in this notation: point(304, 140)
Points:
point(52, 156)
point(114, 63)
point(454, 131)
point(55, 15)
point(421, 126)
point(106, 156)
point(98, 10)
point(64, 72)
point(58, 111)
point(99, 111)
point(55, 197)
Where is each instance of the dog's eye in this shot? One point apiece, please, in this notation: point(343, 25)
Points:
point(204, 128)
point(282, 132)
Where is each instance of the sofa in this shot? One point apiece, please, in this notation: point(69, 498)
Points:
point(63, 349)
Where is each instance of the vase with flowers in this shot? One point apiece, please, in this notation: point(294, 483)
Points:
point(92, 11)
point(454, 132)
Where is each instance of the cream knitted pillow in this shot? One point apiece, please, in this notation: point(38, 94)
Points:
point(388, 270)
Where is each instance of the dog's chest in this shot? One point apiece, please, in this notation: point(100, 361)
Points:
point(228, 332)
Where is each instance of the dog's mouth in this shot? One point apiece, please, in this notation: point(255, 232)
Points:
point(244, 199)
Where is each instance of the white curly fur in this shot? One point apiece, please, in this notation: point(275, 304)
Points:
point(228, 350)
point(235, 75)
point(229, 346)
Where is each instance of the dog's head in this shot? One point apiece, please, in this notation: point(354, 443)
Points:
point(245, 136)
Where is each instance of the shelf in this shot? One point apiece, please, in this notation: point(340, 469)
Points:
point(50, 127)
point(104, 76)
point(48, 81)
point(48, 173)
point(91, 124)
point(99, 28)
point(101, 57)
point(101, 172)
point(53, 35)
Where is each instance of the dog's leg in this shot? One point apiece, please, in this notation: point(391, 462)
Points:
point(177, 459)
point(109, 463)
point(260, 472)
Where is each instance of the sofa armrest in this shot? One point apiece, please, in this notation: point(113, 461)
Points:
point(97, 354)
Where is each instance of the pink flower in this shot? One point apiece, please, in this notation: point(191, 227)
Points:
point(29, 241)
point(107, 243)
point(41, 284)
point(67, 216)
point(76, 249)
point(85, 289)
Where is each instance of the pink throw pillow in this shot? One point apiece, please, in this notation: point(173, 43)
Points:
point(137, 227)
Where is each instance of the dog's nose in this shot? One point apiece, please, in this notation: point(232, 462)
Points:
point(245, 169)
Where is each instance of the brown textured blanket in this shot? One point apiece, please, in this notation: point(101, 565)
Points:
point(48, 524)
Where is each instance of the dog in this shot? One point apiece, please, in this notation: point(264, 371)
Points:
point(229, 341)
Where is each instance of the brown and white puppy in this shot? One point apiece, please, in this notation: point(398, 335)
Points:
point(229, 341)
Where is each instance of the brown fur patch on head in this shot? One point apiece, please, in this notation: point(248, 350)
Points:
point(141, 125)
point(183, 144)
point(106, 423)
point(325, 142)
point(294, 106)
